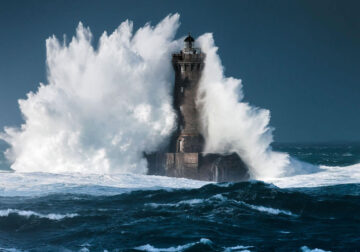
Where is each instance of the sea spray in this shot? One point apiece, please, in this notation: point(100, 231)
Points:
point(103, 108)
point(230, 125)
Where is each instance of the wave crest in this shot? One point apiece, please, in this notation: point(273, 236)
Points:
point(28, 214)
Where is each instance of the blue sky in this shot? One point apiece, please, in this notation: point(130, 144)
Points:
point(300, 59)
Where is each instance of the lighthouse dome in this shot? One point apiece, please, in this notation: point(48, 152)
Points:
point(189, 43)
point(189, 39)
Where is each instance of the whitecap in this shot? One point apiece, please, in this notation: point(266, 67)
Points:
point(284, 232)
point(270, 210)
point(264, 209)
point(150, 248)
point(28, 214)
point(307, 249)
point(238, 248)
point(219, 197)
point(182, 202)
point(328, 175)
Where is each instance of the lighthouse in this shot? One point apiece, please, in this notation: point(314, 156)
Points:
point(185, 157)
point(188, 66)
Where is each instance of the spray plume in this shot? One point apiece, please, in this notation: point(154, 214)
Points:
point(230, 125)
point(102, 109)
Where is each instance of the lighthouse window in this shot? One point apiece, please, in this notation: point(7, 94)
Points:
point(182, 68)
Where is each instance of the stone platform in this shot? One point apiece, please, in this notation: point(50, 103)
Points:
point(210, 167)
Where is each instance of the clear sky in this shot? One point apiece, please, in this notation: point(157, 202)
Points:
point(300, 59)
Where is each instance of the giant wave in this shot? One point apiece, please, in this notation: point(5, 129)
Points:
point(104, 107)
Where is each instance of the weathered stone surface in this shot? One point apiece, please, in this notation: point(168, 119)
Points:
point(211, 167)
point(222, 168)
point(184, 157)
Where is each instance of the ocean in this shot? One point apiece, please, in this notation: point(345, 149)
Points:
point(316, 211)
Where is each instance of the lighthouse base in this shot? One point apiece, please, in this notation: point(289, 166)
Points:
point(210, 167)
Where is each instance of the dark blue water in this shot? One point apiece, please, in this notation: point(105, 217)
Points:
point(248, 216)
point(331, 154)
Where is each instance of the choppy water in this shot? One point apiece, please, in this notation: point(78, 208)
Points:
point(330, 154)
point(47, 212)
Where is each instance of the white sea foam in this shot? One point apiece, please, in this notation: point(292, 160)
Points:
point(219, 197)
point(270, 210)
point(39, 183)
point(307, 249)
point(150, 248)
point(264, 209)
point(238, 248)
point(328, 175)
point(182, 202)
point(27, 213)
point(191, 202)
point(284, 232)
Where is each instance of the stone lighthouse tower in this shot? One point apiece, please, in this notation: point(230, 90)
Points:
point(188, 65)
point(185, 157)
